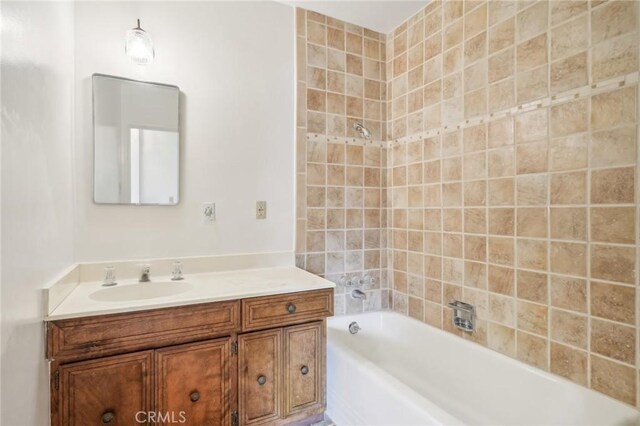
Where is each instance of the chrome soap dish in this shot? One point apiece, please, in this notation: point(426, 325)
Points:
point(464, 315)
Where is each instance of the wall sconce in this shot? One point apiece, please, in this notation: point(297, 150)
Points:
point(138, 46)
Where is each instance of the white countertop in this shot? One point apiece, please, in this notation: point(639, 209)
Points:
point(199, 288)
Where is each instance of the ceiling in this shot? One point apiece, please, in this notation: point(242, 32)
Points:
point(380, 16)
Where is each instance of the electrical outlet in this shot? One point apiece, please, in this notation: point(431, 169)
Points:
point(209, 211)
point(261, 209)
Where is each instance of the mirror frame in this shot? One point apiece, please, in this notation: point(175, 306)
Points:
point(93, 131)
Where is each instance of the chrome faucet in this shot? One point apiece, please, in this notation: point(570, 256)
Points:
point(144, 274)
point(358, 294)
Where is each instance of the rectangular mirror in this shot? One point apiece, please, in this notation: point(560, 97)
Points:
point(136, 142)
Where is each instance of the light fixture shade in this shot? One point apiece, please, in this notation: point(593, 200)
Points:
point(138, 46)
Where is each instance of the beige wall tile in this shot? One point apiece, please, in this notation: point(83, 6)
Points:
point(532, 53)
point(567, 9)
point(532, 222)
point(613, 224)
point(569, 293)
point(615, 147)
point(532, 286)
point(569, 258)
point(502, 94)
point(569, 118)
point(532, 158)
point(612, 109)
point(475, 48)
point(613, 186)
point(615, 57)
point(501, 250)
point(501, 192)
point(533, 84)
point(614, 302)
point(532, 21)
point(532, 317)
point(502, 35)
point(570, 38)
point(533, 350)
point(568, 188)
point(613, 340)
point(613, 19)
point(532, 254)
point(569, 73)
point(532, 190)
point(500, 10)
point(501, 162)
point(569, 363)
point(501, 338)
point(501, 65)
point(501, 221)
point(531, 126)
point(568, 153)
point(613, 379)
point(613, 263)
point(568, 223)
point(569, 328)
point(500, 280)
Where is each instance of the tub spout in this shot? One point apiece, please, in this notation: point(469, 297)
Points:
point(358, 294)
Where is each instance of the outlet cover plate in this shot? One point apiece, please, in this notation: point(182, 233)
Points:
point(261, 209)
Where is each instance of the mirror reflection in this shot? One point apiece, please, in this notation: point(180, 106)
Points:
point(136, 142)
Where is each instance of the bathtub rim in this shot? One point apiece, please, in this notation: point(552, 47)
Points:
point(471, 344)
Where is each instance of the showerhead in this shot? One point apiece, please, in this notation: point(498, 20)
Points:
point(364, 132)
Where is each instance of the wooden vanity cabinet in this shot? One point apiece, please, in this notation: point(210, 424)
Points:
point(194, 381)
point(217, 366)
point(108, 391)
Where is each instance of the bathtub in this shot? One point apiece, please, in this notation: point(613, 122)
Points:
point(399, 371)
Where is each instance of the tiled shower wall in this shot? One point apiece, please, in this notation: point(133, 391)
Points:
point(341, 79)
point(508, 176)
point(512, 170)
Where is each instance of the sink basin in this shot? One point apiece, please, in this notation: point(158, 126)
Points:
point(141, 291)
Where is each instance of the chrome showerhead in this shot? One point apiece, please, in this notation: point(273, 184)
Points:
point(364, 132)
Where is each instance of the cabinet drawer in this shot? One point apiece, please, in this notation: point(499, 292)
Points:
point(285, 309)
point(91, 337)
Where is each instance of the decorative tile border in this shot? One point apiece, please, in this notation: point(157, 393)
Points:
point(580, 93)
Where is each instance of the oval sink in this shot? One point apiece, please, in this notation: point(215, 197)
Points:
point(141, 291)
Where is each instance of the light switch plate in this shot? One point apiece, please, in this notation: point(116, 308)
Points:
point(209, 211)
point(261, 209)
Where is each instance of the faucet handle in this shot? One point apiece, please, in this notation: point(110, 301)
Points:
point(109, 276)
point(144, 273)
point(176, 271)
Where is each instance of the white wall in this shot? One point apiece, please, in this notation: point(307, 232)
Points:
point(37, 198)
point(234, 64)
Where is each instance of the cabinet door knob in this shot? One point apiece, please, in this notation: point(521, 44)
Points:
point(195, 396)
point(108, 417)
point(291, 308)
point(304, 370)
point(262, 380)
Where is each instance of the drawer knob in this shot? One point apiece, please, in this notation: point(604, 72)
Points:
point(195, 396)
point(304, 370)
point(108, 417)
point(262, 380)
point(291, 308)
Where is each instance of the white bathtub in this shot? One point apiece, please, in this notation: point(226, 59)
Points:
point(399, 371)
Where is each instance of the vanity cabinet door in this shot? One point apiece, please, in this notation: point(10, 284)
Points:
point(259, 378)
point(193, 383)
point(304, 369)
point(107, 391)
